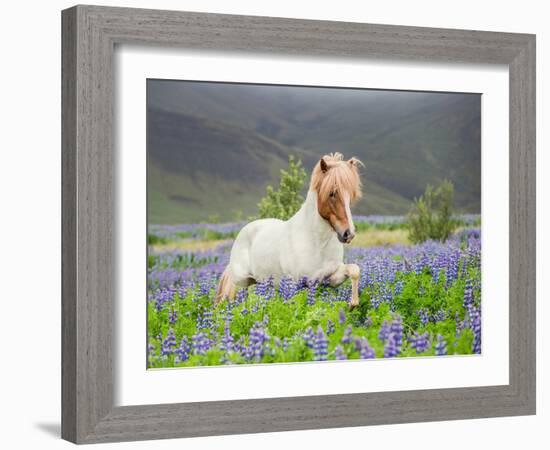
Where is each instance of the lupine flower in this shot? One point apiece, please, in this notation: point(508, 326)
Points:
point(330, 326)
point(366, 351)
point(339, 353)
point(440, 346)
point(424, 316)
point(241, 296)
point(201, 343)
point(204, 320)
point(172, 317)
point(303, 283)
point(151, 351)
point(311, 292)
point(169, 343)
point(475, 324)
point(346, 339)
point(341, 317)
point(386, 294)
point(258, 339)
point(264, 288)
point(227, 340)
point(309, 337)
point(285, 344)
point(398, 288)
point(391, 349)
point(396, 330)
point(183, 351)
point(439, 316)
point(419, 342)
point(357, 342)
point(468, 294)
point(384, 331)
point(375, 301)
point(287, 288)
point(320, 347)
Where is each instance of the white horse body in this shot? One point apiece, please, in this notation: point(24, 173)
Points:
point(309, 244)
point(303, 246)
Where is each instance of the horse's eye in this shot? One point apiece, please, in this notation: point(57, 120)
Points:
point(333, 194)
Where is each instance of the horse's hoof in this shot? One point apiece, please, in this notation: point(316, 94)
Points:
point(352, 306)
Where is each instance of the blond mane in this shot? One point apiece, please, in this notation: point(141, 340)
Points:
point(341, 176)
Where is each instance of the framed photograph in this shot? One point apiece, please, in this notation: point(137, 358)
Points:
point(278, 224)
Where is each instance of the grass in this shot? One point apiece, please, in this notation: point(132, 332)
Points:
point(375, 237)
point(188, 245)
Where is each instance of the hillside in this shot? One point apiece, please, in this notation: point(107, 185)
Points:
point(213, 148)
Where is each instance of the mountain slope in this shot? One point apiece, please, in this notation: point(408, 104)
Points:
point(212, 148)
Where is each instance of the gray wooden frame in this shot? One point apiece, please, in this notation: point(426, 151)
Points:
point(89, 36)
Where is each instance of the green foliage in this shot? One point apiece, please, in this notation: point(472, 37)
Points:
point(431, 215)
point(284, 202)
point(153, 239)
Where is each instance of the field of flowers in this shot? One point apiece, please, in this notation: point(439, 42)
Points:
point(416, 300)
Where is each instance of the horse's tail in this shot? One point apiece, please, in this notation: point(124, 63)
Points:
point(226, 287)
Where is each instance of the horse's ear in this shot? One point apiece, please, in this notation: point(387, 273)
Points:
point(324, 165)
point(355, 162)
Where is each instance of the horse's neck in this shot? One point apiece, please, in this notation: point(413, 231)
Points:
point(309, 220)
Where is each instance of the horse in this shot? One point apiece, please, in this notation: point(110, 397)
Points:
point(310, 244)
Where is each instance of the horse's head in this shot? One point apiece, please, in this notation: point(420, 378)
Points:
point(337, 185)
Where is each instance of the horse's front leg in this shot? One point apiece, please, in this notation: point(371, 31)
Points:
point(352, 272)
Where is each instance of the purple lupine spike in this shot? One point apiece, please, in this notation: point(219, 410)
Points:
point(468, 294)
point(391, 349)
point(375, 301)
point(419, 342)
point(183, 351)
point(287, 288)
point(330, 326)
point(201, 343)
point(387, 295)
point(440, 346)
point(309, 337)
point(204, 320)
point(341, 317)
point(366, 351)
point(241, 296)
point(226, 343)
point(424, 315)
point(169, 343)
point(346, 339)
point(396, 330)
point(320, 347)
point(303, 283)
point(285, 344)
point(258, 340)
point(172, 316)
point(151, 352)
point(475, 324)
point(439, 316)
point(384, 331)
point(311, 294)
point(339, 353)
point(398, 289)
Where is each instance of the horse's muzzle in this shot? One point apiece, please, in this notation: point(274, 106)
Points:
point(346, 237)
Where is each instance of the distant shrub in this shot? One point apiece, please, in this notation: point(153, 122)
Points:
point(153, 239)
point(284, 202)
point(431, 215)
